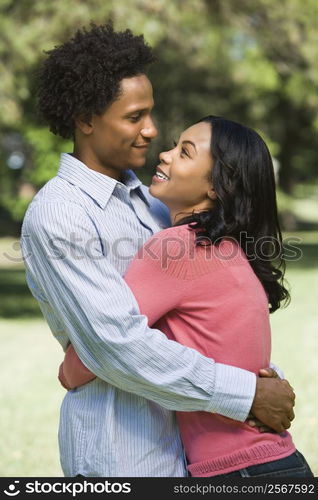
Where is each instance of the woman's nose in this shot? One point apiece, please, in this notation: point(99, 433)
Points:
point(165, 157)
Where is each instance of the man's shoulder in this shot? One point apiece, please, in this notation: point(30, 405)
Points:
point(56, 198)
point(57, 189)
point(55, 192)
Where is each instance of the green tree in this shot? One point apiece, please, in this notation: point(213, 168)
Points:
point(253, 60)
point(276, 47)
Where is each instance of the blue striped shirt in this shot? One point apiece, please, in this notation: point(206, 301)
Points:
point(79, 234)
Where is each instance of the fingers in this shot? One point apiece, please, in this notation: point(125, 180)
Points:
point(285, 381)
point(292, 394)
point(268, 372)
point(291, 415)
point(273, 403)
point(285, 423)
point(264, 428)
point(61, 377)
point(251, 422)
point(280, 426)
point(256, 424)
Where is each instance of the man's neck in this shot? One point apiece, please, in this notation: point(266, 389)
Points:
point(91, 162)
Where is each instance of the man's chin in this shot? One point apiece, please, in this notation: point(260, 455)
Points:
point(137, 166)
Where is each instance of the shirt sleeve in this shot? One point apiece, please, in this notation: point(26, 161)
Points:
point(63, 254)
point(276, 368)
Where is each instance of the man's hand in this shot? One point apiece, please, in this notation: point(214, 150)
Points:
point(268, 372)
point(251, 420)
point(274, 401)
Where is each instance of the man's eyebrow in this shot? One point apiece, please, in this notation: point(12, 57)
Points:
point(140, 110)
point(191, 143)
point(134, 111)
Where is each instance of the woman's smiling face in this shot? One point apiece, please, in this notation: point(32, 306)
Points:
point(183, 177)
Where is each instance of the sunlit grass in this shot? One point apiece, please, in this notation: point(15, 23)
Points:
point(295, 350)
point(30, 399)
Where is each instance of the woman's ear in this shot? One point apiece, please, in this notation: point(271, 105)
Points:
point(211, 194)
point(83, 123)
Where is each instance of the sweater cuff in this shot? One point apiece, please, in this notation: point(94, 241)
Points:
point(234, 392)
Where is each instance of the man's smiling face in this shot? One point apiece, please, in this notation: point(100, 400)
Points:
point(119, 138)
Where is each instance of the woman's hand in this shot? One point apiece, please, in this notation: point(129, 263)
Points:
point(72, 372)
point(62, 378)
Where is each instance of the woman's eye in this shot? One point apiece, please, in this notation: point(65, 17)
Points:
point(184, 152)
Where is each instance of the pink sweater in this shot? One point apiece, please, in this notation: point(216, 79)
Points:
point(210, 299)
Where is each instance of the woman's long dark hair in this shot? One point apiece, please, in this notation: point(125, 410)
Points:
point(245, 207)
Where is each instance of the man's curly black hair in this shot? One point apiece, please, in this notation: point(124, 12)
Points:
point(82, 76)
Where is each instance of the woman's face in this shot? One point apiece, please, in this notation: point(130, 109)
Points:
point(183, 177)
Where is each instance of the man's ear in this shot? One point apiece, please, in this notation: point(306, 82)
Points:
point(211, 194)
point(84, 124)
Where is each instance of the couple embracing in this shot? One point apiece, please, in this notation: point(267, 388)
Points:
point(159, 297)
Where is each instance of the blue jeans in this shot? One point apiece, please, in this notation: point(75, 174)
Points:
point(294, 465)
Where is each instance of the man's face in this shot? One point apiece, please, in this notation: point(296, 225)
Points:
point(120, 137)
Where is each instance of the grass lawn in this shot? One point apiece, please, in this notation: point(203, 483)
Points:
point(30, 399)
point(295, 350)
point(31, 395)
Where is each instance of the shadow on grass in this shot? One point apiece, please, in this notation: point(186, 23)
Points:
point(16, 300)
point(306, 258)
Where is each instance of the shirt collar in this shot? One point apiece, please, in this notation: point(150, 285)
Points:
point(98, 186)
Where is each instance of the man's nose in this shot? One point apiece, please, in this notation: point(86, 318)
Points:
point(149, 130)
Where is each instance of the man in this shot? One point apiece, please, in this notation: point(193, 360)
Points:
point(78, 236)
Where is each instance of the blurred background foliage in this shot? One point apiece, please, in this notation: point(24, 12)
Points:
point(255, 61)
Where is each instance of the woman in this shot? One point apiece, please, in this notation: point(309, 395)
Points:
point(213, 271)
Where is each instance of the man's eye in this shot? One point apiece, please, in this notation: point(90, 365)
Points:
point(135, 118)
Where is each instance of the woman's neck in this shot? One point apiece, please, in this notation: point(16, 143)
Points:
point(177, 214)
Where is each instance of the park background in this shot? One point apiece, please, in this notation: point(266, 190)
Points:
point(255, 61)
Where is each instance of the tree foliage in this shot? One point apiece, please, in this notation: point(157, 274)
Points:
point(253, 60)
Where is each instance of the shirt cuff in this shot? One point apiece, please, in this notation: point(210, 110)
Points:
point(279, 372)
point(234, 392)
